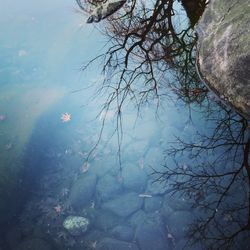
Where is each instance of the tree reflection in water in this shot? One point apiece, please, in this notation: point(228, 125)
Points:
point(216, 181)
point(148, 56)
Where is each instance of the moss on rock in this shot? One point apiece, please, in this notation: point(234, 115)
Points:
point(223, 51)
point(76, 225)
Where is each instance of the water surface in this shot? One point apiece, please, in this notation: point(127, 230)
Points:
point(46, 173)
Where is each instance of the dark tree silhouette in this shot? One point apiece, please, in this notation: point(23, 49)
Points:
point(150, 55)
point(217, 181)
point(148, 52)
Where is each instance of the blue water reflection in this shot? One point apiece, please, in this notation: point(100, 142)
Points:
point(49, 179)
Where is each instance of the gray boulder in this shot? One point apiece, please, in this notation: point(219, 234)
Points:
point(82, 192)
point(223, 51)
point(125, 205)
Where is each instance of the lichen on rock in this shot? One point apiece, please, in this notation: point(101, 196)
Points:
point(223, 51)
point(76, 225)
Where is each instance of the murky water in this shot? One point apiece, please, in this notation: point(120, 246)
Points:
point(47, 180)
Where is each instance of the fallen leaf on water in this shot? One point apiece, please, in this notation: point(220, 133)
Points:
point(85, 167)
point(66, 117)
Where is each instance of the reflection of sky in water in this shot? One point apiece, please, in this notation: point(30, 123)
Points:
point(43, 45)
point(44, 39)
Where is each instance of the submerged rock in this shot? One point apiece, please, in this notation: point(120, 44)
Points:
point(156, 187)
point(177, 202)
point(178, 223)
point(94, 235)
point(150, 235)
point(105, 220)
point(136, 149)
point(125, 205)
point(101, 168)
point(13, 237)
point(223, 51)
point(152, 204)
point(76, 225)
point(125, 233)
point(153, 160)
point(166, 210)
point(183, 244)
point(138, 218)
point(108, 187)
point(112, 244)
point(34, 244)
point(82, 192)
point(134, 178)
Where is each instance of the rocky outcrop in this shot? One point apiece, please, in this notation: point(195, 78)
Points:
point(223, 51)
point(102, 10)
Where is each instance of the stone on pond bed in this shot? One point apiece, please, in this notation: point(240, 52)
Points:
point(153, 160)
point(94, 235)
point(138, 217)
point(108, 187)
point(113, 244)
point(152, 204)
point(82, 191)
point(34, 244)
point(125, 205)
point(166, 210)
point(151, 235)
point(121, 232)
point(178, 223)
point(105, 220)
point(177, 202)
point(99, 168)
point(134, 178)
point(157, 187)
point(76, 225)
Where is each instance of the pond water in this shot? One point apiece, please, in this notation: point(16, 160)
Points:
point(180, 175)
